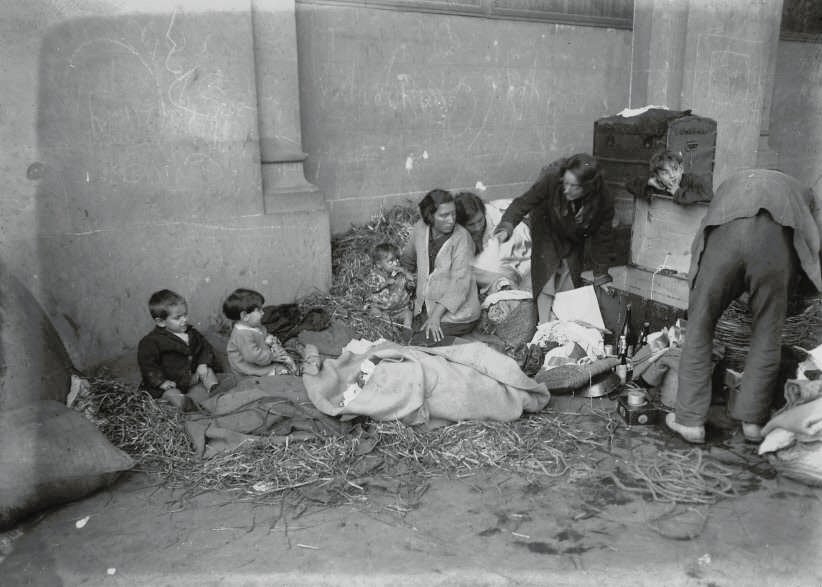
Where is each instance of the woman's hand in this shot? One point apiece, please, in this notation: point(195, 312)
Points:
point(501, 235)
point(433, 328)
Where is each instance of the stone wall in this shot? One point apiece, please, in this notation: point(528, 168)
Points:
point(131, 163)
point(396, 102)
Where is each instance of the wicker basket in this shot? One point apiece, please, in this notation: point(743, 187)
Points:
point(517, 328)
point(733, 330)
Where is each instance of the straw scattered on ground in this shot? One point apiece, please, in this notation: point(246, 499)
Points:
point(389, 455)
point(350, 265)
point(152, 432)
point(396, 457)
point(677, 477)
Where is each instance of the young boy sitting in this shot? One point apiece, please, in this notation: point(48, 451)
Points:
point(390, 285)
point(176, 362)
point(251, 349)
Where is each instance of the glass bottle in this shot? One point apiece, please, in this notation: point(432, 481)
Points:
point(625, 338)
point(642, 338)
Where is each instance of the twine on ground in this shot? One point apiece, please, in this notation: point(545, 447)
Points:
point(677, 477)
point(659, 269)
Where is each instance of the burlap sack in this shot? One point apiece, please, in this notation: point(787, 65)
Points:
point(50, 454)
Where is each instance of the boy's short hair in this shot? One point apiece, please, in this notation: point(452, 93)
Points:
point(662, 159)
point(242, 300)
point(161, 302)
point(383, 251)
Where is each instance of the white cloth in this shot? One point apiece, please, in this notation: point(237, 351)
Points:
point(590, 339)
point(506, 294)
point(629, 112)
point(515, 253)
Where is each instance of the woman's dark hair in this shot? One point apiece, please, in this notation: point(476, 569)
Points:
point(468, 204)
point(585, 168)
point(242, 300)
point(433, 200)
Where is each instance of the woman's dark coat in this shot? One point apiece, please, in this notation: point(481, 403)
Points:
point(558, 233)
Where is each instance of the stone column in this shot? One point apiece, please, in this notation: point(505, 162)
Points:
point(660, 28)
point(714, 57)
point(285, 188)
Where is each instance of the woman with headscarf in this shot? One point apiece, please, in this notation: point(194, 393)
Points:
point(440, 251)
point(568, 206)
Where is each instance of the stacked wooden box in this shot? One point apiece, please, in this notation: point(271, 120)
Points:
point(661, 230)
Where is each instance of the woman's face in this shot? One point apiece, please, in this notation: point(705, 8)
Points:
point(570, 186)
point(444, 218)
point(476, 224)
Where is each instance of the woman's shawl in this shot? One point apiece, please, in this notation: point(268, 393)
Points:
point(451, 283)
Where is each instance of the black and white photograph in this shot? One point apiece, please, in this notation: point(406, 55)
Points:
point(411, 293)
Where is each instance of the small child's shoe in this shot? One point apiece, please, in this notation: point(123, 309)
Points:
point(752, 432)
point(692, 434)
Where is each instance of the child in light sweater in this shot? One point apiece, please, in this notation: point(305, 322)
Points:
point(251, 349)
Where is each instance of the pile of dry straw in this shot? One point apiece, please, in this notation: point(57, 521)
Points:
point(549, 444)
point(152, 432)
point(351, 262)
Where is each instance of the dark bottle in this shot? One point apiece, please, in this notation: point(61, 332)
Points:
point(625, 338)
point(642, 338)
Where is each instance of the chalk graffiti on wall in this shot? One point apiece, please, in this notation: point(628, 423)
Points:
point(140, 106)
point(464, 118)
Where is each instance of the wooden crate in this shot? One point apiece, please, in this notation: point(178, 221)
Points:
point(669, 290)
point(661, 231)
point(662, 234)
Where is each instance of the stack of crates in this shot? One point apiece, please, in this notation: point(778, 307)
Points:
point(660, 232)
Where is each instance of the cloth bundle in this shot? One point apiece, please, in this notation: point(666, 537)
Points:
point(566, 378)
point(561, 332)
point(468, 381)
point(793, 437)
point(511, 315)
point(257, 407)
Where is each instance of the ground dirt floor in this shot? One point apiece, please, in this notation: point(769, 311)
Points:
point(490, 527)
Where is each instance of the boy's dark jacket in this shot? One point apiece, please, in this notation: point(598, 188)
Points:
point(163, 355)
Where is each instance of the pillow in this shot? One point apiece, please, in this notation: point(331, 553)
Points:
point(49, 455)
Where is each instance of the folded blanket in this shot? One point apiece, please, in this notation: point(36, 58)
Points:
point(258, 407)
point(468, 381)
